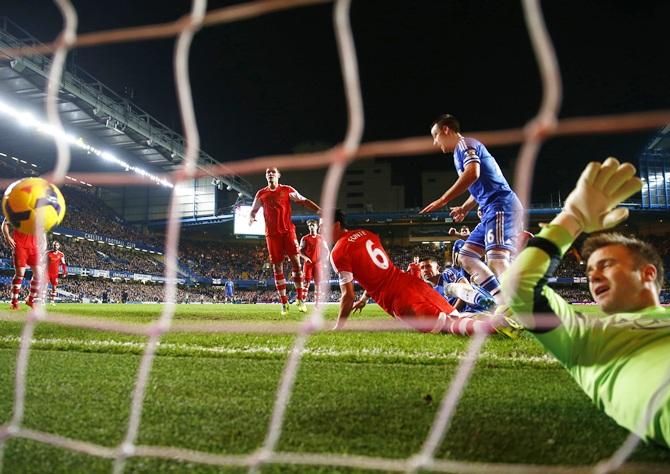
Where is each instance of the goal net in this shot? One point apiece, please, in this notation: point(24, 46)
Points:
point(543, 125)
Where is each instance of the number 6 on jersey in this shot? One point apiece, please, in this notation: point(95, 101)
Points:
point(378, 256)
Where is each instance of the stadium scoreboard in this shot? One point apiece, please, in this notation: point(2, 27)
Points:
point(241, 222)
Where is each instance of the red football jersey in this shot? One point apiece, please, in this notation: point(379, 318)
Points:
point(311, 245)
point(54, 259)
point(24, 240)
point(276, 205)
point(414, 269)
point(360, 254)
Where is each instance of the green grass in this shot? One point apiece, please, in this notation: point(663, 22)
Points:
point(372, 394)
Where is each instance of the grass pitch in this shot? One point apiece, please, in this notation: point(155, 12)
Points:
point(372, 394)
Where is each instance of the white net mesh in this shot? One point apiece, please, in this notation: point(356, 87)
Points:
point(545, 124)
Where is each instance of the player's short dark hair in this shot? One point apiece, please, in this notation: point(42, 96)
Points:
point(340, 217)
point(448, 120)
point(312, 221)
point(643, 252)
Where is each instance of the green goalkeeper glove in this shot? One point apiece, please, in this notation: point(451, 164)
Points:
point(591, 205)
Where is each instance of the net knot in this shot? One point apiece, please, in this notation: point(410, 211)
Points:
point(127, 449)
point(417, 462)
point(541, 128)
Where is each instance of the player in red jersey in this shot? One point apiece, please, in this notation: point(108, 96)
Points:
point(358, 254)
point(311, 246)
point(24, 250)
point(414, 268)
point(275, 199)
point(55, 261)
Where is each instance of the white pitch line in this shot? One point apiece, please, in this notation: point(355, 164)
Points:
point(253, 350)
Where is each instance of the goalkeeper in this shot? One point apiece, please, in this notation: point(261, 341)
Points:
point(621, 359)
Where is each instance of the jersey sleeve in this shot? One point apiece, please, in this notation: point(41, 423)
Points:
point(538, 307)
point(469, 152)
point(294, 195)
point(341, 263)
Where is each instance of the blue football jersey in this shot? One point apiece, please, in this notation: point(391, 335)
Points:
point(453, 275)
point(491, 190)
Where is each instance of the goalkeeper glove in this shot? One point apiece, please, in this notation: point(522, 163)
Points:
point(600, 188)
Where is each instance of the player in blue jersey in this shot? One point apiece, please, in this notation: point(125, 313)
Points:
point(479, 173)
point(230, 291)
point(454, 284)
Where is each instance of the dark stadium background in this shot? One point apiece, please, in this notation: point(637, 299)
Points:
point(272, 84)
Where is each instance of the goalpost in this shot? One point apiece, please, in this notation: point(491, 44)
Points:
point(543, 125)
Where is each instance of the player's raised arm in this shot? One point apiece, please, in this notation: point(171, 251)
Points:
point(590, 207)
point(298, 198)
point(465, 180)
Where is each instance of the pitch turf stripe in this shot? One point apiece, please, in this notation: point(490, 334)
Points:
point(48, 343)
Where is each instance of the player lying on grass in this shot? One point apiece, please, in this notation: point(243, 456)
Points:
point(359, 255)
point(454, 284)
point(620, 359)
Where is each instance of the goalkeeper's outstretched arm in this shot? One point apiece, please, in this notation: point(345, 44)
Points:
point(590, 207)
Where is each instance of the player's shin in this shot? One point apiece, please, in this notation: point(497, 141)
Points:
point(16, 289)
point(481, 274)
point(280, 284)
point(33, 296)
point(297, 280)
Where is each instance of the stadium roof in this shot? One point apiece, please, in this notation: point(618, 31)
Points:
point(89, 108)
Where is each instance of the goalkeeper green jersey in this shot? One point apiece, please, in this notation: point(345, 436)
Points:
point(621, 361)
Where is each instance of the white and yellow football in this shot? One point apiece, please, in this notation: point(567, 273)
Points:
point(28, 198)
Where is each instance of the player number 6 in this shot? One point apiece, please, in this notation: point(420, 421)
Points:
point(378, 256)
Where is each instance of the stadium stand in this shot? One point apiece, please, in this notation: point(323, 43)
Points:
point(88, 213)
point(207, 262)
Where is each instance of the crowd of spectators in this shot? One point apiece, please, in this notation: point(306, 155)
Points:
point(218, 259)
point(99, 290)
point(237, 261)
point(83, 253)
point(402, 256)
point(107, 291)
point(88, 213)
point(575, 294)
point(570, 267)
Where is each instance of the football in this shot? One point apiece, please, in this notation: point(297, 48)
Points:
point(28, 198)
